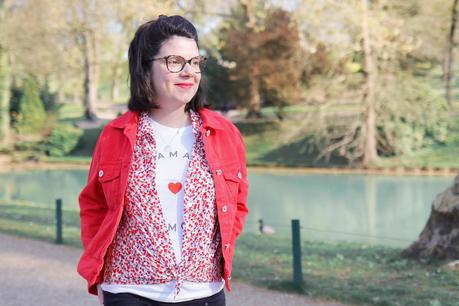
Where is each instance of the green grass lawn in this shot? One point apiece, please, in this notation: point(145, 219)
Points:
point(348, 272)
point(70, 111)
point(37, 221)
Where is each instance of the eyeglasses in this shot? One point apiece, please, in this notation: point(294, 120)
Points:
point(176, 63)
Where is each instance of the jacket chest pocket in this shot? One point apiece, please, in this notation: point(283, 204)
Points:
point(109, 178)
point(232, 176)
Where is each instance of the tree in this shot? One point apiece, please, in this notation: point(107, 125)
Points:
point(367, 56)
point(449, 57)
point(32, 115)
point(5, 85)
point(125, 18)
point(107, 26)
point(440, 237)
point(267, 64)
point(87, 21)
point(44, 49)
point(75, 45)
point(369, 130)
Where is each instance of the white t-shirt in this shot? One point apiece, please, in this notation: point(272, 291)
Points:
point(174, 148)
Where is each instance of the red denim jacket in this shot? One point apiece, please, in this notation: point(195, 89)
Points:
point(102, 199)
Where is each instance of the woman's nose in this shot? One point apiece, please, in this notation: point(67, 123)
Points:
point(188, 69)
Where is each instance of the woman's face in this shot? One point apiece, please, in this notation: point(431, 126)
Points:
point(175, 90)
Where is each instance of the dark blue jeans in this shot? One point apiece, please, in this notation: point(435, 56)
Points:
point(129, 299)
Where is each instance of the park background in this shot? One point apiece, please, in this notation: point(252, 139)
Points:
point(321, 90)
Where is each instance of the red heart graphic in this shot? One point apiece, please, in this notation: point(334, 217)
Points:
point(174, 187)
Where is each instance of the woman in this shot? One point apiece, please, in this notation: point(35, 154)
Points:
point(166, 194)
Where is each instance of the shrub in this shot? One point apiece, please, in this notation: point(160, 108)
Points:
point(411, 115)
point(29, 145)
point(62, 139)
point(32, 116)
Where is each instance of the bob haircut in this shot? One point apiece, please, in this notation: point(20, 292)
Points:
point(143, 48)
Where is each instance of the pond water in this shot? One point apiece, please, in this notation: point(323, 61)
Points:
point(388, 210)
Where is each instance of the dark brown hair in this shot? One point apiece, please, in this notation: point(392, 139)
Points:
point(143, 48)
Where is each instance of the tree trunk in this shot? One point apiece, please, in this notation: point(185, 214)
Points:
point(114, 94)
point(5, 90)
point(450, 57)
point(254, 108)
point(116, 69)
point(369, 132)
point(440, 237)
point(90, 78)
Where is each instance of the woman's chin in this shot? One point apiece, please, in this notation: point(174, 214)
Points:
point(174, 102)
point(183, 100)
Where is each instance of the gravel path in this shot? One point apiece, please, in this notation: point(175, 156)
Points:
point(44, 274)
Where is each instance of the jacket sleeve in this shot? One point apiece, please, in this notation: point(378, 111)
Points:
point(93, 206)
point(243, 190)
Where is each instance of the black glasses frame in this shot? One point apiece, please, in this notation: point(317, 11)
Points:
point(202, 63)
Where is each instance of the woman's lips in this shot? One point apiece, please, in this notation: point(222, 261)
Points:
point(184, 85)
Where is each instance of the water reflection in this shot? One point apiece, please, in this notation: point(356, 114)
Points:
point(346, 207)
point(43, 186)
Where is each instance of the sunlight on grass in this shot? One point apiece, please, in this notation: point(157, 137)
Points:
point(71, 111)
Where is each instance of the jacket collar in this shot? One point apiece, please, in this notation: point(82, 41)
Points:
point(128, 118)
point(131, 118)
point(210, 119)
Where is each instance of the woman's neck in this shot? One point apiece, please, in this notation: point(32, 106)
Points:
point(171, 118)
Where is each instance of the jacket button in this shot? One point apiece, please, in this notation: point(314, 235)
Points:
point(208, 133)
point(239, 175)
point(227, 246)
point(101, 173)
point(224, 208)
point(219, 172)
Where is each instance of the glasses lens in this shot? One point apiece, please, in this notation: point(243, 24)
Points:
point(175, 63)
point(201, 64)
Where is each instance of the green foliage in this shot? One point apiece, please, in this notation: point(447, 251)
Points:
point(32, 116)
point(411, 115)
point(49, 100)
point(27, 145)
point(63, 139)
point(216, 84)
